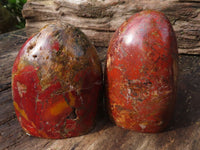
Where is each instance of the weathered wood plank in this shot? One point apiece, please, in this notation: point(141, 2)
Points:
point(183, 133)
point(98, 19)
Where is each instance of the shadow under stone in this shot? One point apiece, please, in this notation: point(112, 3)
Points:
point(187, 110)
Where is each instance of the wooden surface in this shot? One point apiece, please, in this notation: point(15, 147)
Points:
point(98, 19)
point(182, 134)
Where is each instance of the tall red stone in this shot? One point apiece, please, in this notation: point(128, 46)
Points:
point(141, 73)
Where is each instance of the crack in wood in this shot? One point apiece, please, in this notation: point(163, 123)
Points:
point(13, 116)
point(4, 87)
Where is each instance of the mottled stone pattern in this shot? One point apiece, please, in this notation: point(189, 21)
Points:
point(56, 82)
point(141, 73)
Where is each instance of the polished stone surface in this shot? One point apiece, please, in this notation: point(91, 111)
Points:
point(57, 83)
point(142, 73)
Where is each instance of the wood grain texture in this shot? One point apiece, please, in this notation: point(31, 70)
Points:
point(182, 134)
point(100, 18)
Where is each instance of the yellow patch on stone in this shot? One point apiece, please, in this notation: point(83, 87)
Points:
point(21, 111)
point(72, 99)
point(58, 108)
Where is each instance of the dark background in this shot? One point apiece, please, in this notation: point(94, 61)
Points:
point(10, 15)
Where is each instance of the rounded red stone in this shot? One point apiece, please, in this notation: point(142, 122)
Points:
point(141, 73)
point(56, 83)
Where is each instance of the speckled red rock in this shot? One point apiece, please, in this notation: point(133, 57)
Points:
point(56, 82)
point(141, 73)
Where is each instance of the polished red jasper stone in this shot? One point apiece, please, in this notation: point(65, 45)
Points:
point(56, 83)
point(141, 73)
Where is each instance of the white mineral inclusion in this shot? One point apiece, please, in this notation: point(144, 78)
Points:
point(143, 126)
point(129, 91)
point(28, 134)
point(36, 50)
